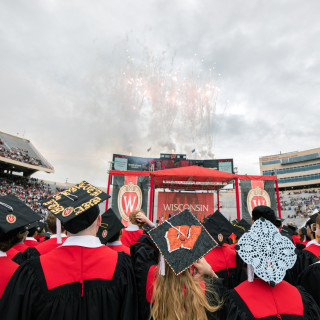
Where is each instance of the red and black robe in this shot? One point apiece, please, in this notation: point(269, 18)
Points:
point(259, 300)
point(145, 257)
point(7, 267)
point(79, 280)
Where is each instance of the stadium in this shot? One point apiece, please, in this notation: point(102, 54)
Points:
point(299, 190)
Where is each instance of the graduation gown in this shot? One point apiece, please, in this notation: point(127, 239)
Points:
point(79, 280)
point(21, 247)
point(119, 247)
point(31, 242)
point(309, 279)
point(304, 259)
point(225, 262)
point(145, 257)
point(130, 235)
point(50, 244)
point(259, 300)
point(7, 267)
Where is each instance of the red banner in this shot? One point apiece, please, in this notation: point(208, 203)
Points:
point(171, 203)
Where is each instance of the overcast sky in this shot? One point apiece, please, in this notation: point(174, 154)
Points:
point(63, 65)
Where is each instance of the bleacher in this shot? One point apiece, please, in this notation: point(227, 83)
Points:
point(20, 155)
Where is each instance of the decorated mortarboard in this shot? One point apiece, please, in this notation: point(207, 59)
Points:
point(182, 240)
point(239, 227)
point(110, 225)
point(219, 227)
point(14, 215)
point(76, 207)
point(265, 250)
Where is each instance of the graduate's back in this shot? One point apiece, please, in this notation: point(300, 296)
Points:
point(72, 282)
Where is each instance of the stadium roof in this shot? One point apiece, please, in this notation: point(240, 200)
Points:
point(20, 155)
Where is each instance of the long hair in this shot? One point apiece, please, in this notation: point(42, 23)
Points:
point(181, 298)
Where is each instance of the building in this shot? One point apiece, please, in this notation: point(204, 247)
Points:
point(295, 170)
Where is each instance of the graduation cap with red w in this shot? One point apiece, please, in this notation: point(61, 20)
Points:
point(182, 240)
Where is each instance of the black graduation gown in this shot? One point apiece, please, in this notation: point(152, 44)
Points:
point(227, 265)
point(310, 280)
point(145, 257)
point(304, 259)
point(72, 282)
point(258, 300)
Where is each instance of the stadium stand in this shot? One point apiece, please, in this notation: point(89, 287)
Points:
point(20, 155)
point(31, 191)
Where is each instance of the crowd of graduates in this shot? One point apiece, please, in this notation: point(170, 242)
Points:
point(82, 264)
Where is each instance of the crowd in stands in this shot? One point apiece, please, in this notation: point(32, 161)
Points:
point(31, 191)
point(301, 203)
point(18, 154)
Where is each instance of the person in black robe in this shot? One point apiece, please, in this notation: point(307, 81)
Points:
point(81, 279)
point(14, 216)
point(308, 255)
point(149, 266)
point(223, 259)
point(267, 296)
point(310, 277)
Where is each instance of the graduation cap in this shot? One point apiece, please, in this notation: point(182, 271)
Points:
point(182, 240)
point(110, 225)
point(313, 218)
point(266, 251)
point(239, 227)
point(14, 216)
point(207, 218)
point(263, 212)
point(288, 230)
point(76, 207)
point(219, 227)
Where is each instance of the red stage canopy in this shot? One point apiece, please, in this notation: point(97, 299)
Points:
point(192, 178)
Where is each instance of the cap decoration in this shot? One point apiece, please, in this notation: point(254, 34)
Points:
point(269, 253)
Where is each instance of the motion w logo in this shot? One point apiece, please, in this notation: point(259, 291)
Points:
point(182, 237)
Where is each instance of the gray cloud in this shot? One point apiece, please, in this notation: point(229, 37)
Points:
point(62, 63)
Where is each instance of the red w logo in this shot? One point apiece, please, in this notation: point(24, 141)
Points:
point(186, 237)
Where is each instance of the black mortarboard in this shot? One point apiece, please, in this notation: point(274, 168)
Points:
point(263, 212)
point(110, 225)
point(14, 216)
point(288, 230)
point(312, 218)
point(207, 218)
point(182, 240)
point(240, 227)
point(76, 207)
point(219, 227)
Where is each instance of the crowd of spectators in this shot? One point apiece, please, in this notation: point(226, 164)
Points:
point(300, 203)
point(31, 191)
point(18, 154)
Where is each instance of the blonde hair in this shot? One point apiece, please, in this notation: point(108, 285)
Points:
point(181, 298)
point(133, 218)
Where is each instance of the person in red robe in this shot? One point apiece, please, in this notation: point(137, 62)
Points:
point(52, 243)
point(133, 232)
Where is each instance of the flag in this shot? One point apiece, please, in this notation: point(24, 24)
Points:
point(149, 149)
point(193, 150)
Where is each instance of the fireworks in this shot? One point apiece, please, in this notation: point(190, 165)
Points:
point(175, 109)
